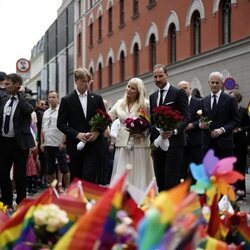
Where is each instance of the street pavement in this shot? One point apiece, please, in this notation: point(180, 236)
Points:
point(246, 204)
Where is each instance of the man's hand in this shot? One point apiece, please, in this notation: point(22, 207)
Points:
point(82, 136)
point(217, 132)
point(92, 136)
point(189, 126)
point(203, 125)
point(166, 134)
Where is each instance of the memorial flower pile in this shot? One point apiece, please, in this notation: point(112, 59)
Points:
point(178, 218)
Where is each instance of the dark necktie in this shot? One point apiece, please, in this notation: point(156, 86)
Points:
point(214, 104)
point(161, 97)
point(7, 117)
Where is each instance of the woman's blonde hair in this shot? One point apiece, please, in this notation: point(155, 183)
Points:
point(139, 85)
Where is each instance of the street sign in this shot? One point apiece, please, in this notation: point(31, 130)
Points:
point(22, 65)
point(229, 83)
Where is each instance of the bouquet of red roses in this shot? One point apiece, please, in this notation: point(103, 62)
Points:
point(136, 125)
point(165, 119)
point(100, 121)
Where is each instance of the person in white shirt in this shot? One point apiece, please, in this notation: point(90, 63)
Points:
point(53, 142)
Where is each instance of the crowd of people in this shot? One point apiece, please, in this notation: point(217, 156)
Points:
point(39, 141)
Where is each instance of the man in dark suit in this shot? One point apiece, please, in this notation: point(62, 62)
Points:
point(222, 110)
point(2, 87)
point(167, 164)
point(15, 140)
point(75, 112)
point(193, 149)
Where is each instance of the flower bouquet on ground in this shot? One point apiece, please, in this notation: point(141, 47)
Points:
point(100, 121)
point(203, 119)
point(136, 125)
point(165, 119)
point(48, 220)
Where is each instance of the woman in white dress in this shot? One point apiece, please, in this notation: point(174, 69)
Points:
point(139, 157)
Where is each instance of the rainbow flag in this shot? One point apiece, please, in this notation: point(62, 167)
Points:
point(158, 218)
point(214, 221)
point(144, 114)
point(93, 191)
point(10, 232)
point(132, 209)
point(73, 201)
point(210, 243)
point(242, 234)
point(150, 194)
point(96, 227)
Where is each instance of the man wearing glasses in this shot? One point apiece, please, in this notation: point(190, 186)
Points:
point(75, 112)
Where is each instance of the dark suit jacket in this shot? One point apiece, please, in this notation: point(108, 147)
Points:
point(21, 122)
point(71, 119)
point(176, 99)
point(226, 116)
point(240, 138)
point(194, 136)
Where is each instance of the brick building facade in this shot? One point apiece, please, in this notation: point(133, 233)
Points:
point(119, 39)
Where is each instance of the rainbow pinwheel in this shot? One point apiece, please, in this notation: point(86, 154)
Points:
point(215, 176)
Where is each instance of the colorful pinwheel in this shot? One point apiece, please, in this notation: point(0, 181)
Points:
point(215, 176)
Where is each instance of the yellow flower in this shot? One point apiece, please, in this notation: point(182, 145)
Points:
point(3, 208)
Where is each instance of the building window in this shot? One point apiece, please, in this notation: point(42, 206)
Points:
point(226, 21)
point(90, 3)
point(92, 74)
point(135, 8)
point(79, 9)
point(152, 51)
point(196, 33)
point(122, 66)
point(91, 35)
point(136, 60)
point(99, 28)
point(100, 76)
point(110, 72)
point(151, 3)
point(172, 43)
point(122, 13)
point(110, 20)
point(79, 45)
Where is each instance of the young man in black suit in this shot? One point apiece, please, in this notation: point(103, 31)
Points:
point(222, 110)
point(15, 140)
point(75, 112)
point(167, 164)
point(193, 149)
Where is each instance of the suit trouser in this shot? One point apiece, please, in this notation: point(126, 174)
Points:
point(167, 166)
point(86, 164)
point(191, 154)
point(11, 153)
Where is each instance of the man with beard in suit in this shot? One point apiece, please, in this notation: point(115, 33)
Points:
point(75, 112)
point(168, 164)
point(222, 110)
point(193, 149)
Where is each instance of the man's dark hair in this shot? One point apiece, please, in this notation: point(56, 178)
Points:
point(15, 78)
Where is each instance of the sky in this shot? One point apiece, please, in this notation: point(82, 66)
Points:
point(22, 25)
